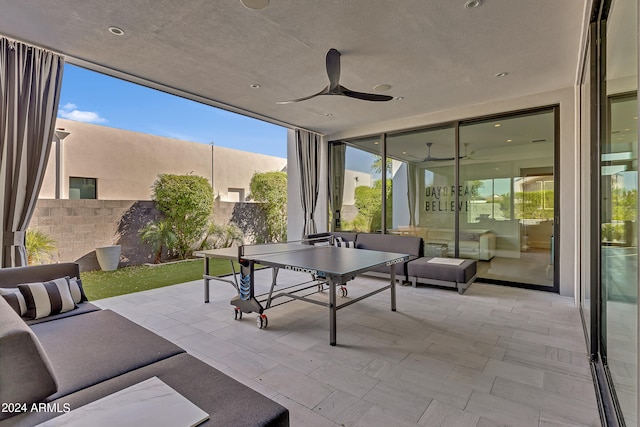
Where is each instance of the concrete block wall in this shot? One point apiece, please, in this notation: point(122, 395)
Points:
point(80, 226)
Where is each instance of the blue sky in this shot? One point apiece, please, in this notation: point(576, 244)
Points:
point(91, 97)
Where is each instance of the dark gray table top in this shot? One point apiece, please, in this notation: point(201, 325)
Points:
point(309, 258)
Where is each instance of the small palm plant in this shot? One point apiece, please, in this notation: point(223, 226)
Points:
point(222, 236)
point(39, 246)
point(160, 236)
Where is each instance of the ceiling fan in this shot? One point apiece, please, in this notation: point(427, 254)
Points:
point(430, 158)
point(335, 88)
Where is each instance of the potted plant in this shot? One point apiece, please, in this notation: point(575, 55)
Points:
point(108, 257)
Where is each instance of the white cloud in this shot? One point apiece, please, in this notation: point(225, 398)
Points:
point(70, 111)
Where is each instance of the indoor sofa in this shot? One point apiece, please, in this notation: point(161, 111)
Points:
point(473, 244)
point(71, 359)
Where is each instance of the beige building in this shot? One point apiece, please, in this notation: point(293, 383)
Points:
point(92, 161)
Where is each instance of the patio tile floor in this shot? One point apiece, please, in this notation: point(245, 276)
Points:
point(493, 356)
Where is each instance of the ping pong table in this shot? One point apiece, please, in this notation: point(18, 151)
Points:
point(327, 265)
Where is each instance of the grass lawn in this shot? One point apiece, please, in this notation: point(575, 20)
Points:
point(105, 284)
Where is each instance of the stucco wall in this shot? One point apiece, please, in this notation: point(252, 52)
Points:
point(127, 163)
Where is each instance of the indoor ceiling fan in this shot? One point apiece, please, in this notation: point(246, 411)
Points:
point(335, 88)
point(431, 158)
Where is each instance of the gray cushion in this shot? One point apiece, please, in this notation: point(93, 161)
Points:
point(83, 307)
point(228, 402)
point(13, 276)
point(400, 270)
point(116, 345)
point(26, 375)
point(411, 245)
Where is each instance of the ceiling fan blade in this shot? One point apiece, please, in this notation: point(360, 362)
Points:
point(333, 70)
point(365, 96)
point(324, 91)
point(434, 159)
point(334, 88)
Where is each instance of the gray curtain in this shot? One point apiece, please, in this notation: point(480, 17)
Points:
point(411, 192)
point(336, 180)
point(30, 80)
point(307, 150)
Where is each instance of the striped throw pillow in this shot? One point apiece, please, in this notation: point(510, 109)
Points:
point(47, 298)
point(15, 299)
point(77, 292)
point(342, 243)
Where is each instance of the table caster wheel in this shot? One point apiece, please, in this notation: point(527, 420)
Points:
point(343, 291)
point(262, 321)
point(237, 313)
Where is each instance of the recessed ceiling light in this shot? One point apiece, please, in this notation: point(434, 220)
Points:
point(116, 31)
point(635, 118)
point(470, 4)
point(255, 86)
point(375, 142)
point(509, 140)
point(404, 152)
point(382, 88)
point(255, 4)
point(501, 74)
point(399, 98)
point(497, 125)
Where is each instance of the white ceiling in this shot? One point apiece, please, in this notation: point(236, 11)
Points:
point(436, 54)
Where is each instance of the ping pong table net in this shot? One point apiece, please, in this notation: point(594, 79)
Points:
point(267, 249)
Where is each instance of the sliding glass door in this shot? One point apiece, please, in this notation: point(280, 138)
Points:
point(482, 189)
point(619, 249)
point(423, 176)
point(609, 264)
point(356, 185)
point(507, 172)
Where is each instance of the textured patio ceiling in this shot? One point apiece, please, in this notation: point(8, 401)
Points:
point(435, 54)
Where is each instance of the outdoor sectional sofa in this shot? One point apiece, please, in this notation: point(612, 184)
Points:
point(77, 357)
point(419, 268)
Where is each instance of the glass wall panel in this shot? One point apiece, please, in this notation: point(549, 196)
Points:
point(619, 208)
point(504, 199)
point(507, 197)
point(585, 194)
point(421, 171)
point(356, 185)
